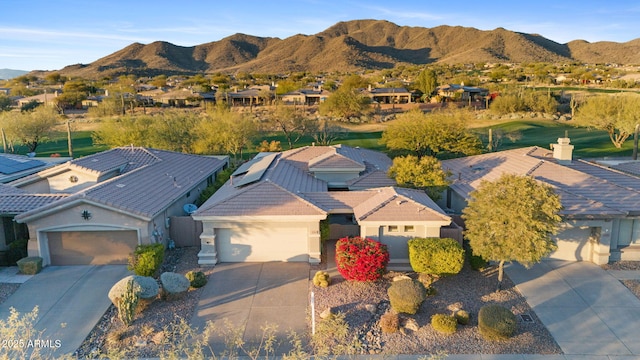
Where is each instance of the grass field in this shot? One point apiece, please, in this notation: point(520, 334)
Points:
point(542, 133)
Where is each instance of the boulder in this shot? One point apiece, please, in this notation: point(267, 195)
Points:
point(174, 283)
point(146, 287)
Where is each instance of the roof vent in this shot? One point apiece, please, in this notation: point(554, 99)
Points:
point(120, 185)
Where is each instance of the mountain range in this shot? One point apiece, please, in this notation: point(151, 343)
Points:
point(353, 46)
point(7, 74)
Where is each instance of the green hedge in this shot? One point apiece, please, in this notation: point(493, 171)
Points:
point(436, 256)
point(146, 259)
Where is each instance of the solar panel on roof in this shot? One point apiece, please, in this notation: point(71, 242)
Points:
point(13, 165)
point(256, 170)
point(242, 169)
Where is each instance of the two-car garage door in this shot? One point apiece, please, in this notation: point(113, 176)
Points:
point(262, 244)
point(91, 247)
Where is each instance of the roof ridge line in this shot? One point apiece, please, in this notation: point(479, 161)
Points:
point(608, 169)
point(297, 195)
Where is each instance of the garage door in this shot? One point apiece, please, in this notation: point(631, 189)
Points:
point(262, 244)
point(91, 247)
point(573, 244)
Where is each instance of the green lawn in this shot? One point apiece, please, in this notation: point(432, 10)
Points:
point(81, 140)
point(542, 133)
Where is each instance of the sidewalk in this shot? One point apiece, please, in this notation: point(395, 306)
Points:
point(585, 308)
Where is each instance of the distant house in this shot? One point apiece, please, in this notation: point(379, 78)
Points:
point(98, 208)
point(462, 93)
point(47, 99)
point(255, 95)
point(179, 98)
point(601, 201)
point(273, 206)
point(305, 97)
point(389, 95)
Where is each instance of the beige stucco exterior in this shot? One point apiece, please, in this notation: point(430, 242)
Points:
point(594, 240)
point(260, 238)
point(395, 235)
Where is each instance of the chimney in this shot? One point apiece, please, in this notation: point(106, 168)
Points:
point(563, 151)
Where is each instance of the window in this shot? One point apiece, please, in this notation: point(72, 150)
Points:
point(188, 194)
point(409, 228)
point(392, 228)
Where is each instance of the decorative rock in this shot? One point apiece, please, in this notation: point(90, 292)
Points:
point(158, 338)
point(401, 277)
point(174, 283)
point(371, 308)
point(140, 343)
point(326, 313)
point(411, 324)
point(146, 287)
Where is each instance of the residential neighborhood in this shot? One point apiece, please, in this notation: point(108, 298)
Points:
point(184, 189)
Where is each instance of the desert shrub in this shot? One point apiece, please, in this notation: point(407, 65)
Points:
point(333, 336)
point(389, 323)
point(146, 259)
point(196, 278)
point(361, 259)
point(462, 317)
point(16, 251)
point(406, 296)
point(436, 256)
point(444, 324)
point(322, 279)
point(128, 303)
point(496, 322)
point(477, 262)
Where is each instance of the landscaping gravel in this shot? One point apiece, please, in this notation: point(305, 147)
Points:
point(468, 290)
point(6, 289)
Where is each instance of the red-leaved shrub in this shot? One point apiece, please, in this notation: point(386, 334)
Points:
point(361, 259)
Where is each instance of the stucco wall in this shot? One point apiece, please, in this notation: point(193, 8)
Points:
point(70, 219)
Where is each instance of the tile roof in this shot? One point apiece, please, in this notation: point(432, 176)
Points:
point(10, 190)
point(124, 158)
point(19, 203)
point(288, 187)
point(586, 189)
point(399, 204)
point(261, 199)
point(151, 180)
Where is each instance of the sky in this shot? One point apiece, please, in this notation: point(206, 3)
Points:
point(49, 35)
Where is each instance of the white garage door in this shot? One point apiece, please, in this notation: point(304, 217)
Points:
point(91, 247)
point(573, 244)
point(262, 244)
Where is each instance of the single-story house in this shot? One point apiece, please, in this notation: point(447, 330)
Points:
point(462, 92)
point(306, 97)
point(47, 99)
point(98, 208)
point(601, 202)
point(274, 207)
point(389, 95)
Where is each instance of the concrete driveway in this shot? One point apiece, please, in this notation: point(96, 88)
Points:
point(586, 309)
point(248, 296)
point(70, 301)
